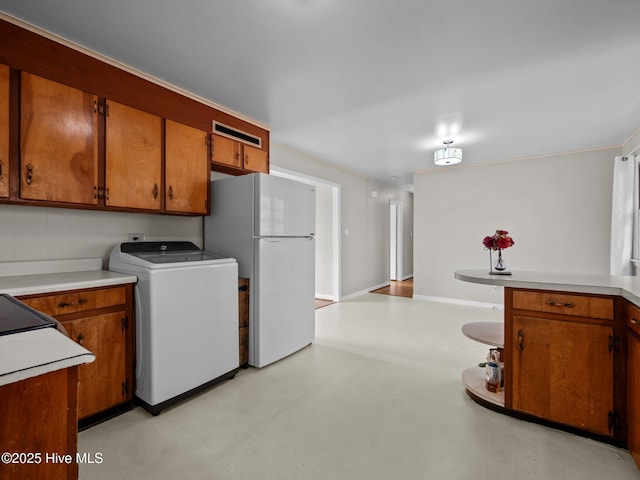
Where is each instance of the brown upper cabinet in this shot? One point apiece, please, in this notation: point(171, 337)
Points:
point(232, 153)
point(4, 131)
point(78, 132)
point(186, 168)
point(58, 142)
point(133, 156)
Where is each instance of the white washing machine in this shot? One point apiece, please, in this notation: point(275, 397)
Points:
point(186, 319)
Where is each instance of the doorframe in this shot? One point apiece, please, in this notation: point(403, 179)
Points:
point(336, 261)
point(399, 227)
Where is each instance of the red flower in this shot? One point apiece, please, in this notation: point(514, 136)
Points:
point(499, 241)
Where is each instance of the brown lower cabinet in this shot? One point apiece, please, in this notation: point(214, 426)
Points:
point(39, 418)
point(565, 360)
point(563, 372)
point(101, 320)
point(633, 381)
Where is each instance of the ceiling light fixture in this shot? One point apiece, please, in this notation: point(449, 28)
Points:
point(447, 155)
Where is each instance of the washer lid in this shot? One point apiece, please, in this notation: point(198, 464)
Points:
point(168, 252)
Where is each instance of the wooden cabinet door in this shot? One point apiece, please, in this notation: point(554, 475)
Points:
point(58, 142)
point(226, 151)
point(186, 169)
point(563, 372)
point(255, 159)
point(633, 396)
point(101, 384)
point(133, 158)
point(4, 131)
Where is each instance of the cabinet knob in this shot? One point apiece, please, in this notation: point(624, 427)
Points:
point(155, 191)
point(170, 192)
point(81, 339)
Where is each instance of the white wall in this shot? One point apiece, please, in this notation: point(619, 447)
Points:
point(35, 233)
point(364, 220)
point(324, 241)
point(558, 210)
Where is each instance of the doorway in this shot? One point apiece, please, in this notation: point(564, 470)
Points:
point(395, 240)
point(398, 285)
point(327, 283)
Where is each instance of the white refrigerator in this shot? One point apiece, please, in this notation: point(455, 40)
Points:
point(267, 224)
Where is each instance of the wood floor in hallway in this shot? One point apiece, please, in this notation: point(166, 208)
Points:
point(398, 289)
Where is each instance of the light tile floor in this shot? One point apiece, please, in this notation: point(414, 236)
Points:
point(377, 396)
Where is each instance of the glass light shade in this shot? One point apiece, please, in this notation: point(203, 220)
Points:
point(447, 156)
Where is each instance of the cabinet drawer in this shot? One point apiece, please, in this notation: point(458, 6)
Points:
point(76, 301)
point(566, 304)
point(633, 318)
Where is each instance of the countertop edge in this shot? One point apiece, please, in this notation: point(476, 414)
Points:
point(577, 283)
point(58, 282)
point(49, 351)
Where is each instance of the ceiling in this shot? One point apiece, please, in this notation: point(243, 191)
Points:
point(376, 86)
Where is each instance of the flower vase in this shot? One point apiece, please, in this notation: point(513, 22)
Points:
point(499, 266)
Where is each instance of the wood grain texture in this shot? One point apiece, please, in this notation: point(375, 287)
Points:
point(226, 151)
point(39, 415)
point(76, 300)
point(186, 169)
point(100, 382)
point(564, 372)
point(243, 319)
point(4, 131)
point(25, 50)
point(133, 158)
point(59, 142)
point(97, 324)
point(564, 304)
point(633, 396)
point(255, 159)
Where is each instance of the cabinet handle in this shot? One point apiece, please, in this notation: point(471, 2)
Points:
point(634, 321)
point(170, 192)
point(520, 340)
point(81, 339)
point(80, 302)
point(155, 191)
point(29, 174)
point(553, 303)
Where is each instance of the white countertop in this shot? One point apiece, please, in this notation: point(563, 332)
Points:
point(624, 286)
point(28, 354)
point(46, 276)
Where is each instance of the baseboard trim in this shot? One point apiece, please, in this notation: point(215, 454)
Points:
point(320, 296)
point(364, 292)
point(458, 301)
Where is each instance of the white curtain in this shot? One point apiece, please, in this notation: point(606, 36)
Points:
point(624, 207)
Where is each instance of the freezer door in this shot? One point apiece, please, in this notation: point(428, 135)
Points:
point(284, 207)
point(283, 298)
